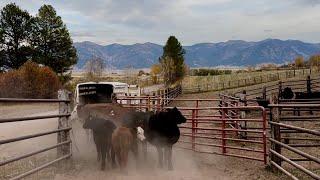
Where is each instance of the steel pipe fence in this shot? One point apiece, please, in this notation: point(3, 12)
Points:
point(63, 145)
point(214, 129)
point(295, 140)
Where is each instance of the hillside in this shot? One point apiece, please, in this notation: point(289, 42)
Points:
point(233, 53)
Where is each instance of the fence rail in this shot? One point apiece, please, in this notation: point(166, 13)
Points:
point(63, 145)
point(302, 85)
point(211, 127)
point(294, 137)
point(282, 130)
point(221, 84)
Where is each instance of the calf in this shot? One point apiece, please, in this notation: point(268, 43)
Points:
point(102, 132)
point(122, 140)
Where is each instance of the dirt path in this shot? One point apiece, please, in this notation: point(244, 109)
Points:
point(187, 165)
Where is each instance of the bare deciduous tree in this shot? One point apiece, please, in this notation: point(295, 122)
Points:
point(94, 68)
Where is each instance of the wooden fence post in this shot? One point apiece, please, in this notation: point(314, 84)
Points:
point(148, 103)
point(264, 92)
point(223, 117)
point(280, 89)
point(162, 98)
point(275, 134)
point(63, 122)
point(308, 84)
point(158, 100)
point(153, 104)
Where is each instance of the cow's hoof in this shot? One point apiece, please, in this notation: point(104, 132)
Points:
point(170, 168)
point(124, 172)
point(114, 166)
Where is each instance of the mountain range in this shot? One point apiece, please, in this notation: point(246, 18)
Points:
point(229, 53)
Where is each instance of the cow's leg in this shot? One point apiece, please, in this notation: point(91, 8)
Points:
point(98, 147)
point(113, 157)
point(103, 156)
point(134, 149)
point(166, 155)
point(170, 167)
point(160, 156)
point(125, 162)
point(108, 154)
point(119, 158)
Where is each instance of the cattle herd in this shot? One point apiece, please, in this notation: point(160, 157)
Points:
point(114, 140)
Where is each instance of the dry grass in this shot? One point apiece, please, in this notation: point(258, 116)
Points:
point(236, 80)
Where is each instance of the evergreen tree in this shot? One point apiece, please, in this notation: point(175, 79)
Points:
point(52, 42)
point(1, 52)
point(173, 55)
point(15, 28)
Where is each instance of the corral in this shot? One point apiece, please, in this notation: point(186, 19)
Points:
point(249, 138)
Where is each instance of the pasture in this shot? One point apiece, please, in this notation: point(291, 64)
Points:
point(196, 84)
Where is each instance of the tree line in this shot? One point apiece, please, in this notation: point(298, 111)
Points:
point(42, 38)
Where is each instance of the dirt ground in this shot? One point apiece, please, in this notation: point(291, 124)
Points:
point(187, 165)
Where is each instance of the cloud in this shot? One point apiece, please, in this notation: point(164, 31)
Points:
point(82, 34)
point(192, 21)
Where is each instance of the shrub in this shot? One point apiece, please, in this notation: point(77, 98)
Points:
point(29, 81)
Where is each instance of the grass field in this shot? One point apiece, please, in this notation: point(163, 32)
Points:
point(235, 80)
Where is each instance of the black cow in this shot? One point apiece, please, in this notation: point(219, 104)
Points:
point(102, 130)
point(287, 93)
point(263, 102)
point(306, 95)
point(162, 131)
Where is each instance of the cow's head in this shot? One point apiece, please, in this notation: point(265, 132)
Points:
point(176, 114)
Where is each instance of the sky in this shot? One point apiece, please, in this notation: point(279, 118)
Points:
point(191, 21)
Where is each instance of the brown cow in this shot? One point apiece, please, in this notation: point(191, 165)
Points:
point(122, 141)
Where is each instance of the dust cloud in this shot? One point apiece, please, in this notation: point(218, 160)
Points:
point(87, 167)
